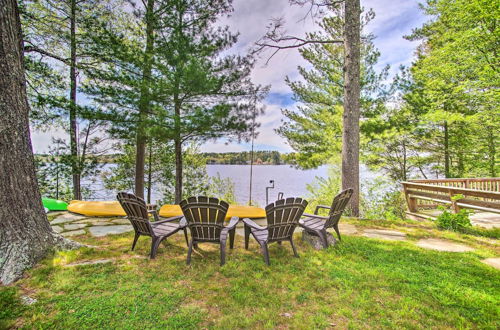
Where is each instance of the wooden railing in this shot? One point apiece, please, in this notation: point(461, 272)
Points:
point(487, 184)
point(430, 193)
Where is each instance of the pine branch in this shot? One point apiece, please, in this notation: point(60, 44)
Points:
point(34, 49)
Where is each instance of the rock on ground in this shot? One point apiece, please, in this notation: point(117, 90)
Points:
point(443, 245)
point(67, 217)
point(100, 231)
point(57, 229)
point(74, 226)
point(316, 242)
point(347, 229)
point(493, 262)
point(73, 233)
point(390, 235)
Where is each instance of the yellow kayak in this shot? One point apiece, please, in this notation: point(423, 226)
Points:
point(240, 211)
point(97, 208)
point(114, 209)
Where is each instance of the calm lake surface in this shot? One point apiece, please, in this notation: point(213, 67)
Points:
point(287, 179)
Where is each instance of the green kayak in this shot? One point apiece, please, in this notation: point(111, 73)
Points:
point(54, 204)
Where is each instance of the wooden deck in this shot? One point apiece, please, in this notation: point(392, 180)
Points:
point(480, 195)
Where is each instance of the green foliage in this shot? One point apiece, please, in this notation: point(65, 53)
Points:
point(165, 73)
point(322, 191)
point(383, 201)
point(454, 221)
point(195, 179)
point(222, 188)
point(455, 85)
point(314, 128)
point(54, 169)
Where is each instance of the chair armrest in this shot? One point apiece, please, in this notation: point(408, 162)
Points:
point(252, 224)
point(315, 216)
point(321, 207)
point(234, 221)
point(169, 219)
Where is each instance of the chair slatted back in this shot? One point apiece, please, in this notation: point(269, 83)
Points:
point(137, 213)
point(283, 216)
point(338, 206)
point(205, 217)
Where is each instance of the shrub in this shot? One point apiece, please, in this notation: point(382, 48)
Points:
point(454, 221)
point(383, 199)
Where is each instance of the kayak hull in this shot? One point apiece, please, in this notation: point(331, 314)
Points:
point(114, 209)
point(54, 204)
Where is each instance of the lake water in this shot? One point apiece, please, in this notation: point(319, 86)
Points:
point(287, 179)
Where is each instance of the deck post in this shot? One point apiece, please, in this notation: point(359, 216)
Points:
point(454, 203)
point(412, 202)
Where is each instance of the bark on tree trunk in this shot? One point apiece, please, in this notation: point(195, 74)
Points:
point(139, 163)
point(350, 134)
point(150, 171)
point(178, 170)
point(446, 151)
point(25, 233)
point(491, 152)
point(144, 104)
point(75, 168)
point(178, 151)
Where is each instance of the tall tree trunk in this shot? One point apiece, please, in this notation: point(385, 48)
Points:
point(73, 134)
point(350, 133)
point(150, 171)
point(178, 152)
point(446, 151)
point(405, 161)
point(25, 233)
point(145, 101)
point(491, 152)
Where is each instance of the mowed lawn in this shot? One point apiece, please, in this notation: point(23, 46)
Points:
point(359, 283)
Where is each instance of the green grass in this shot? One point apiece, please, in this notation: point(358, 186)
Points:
point(359, 283)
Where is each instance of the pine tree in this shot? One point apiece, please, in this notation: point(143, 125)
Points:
point(169, 80)
point(314, 130)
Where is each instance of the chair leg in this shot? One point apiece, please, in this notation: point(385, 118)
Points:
point(265, 252)
point(293, 248)
point(154, 247)
point(324, 238)
point(135, 240)
point(190, 250)
point(186, 236)
point(231, 238)
point(336, 227)
point(247, 236)
point(222, 253)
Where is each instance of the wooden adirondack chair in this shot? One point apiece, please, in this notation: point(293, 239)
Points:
point(317, 225)
point(282, 219)
point(137, 212)
point(205, 219)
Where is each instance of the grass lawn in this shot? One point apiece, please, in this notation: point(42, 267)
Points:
point(359, 283)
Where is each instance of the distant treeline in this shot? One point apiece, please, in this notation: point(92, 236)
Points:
point(259, 158)
point(238, 158)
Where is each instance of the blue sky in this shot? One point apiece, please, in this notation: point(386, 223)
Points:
point(393, 20)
